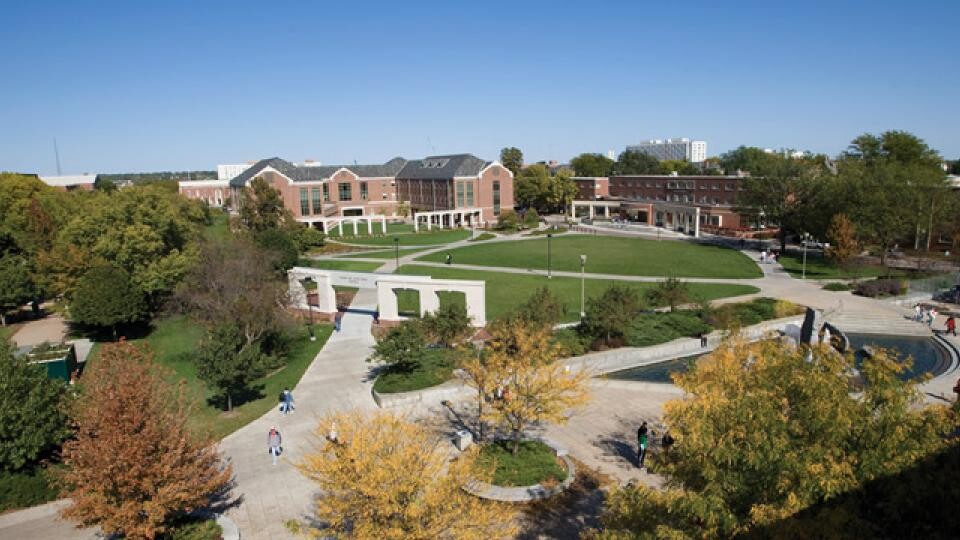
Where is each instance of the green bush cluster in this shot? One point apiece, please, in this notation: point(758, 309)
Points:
point(26, 488)
point(572, 342)
point(654, 328)
point(881, 287)
point(195, 529)
point(837, 286)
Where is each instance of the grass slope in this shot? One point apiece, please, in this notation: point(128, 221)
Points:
point(173, 342)
point(610, 255)
point(423, 238)
point(819, 267)
point(436, 368)
point(382, 254)
point(504, 291)
point(331, 264)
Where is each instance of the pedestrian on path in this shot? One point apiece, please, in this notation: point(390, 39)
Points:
point(933, 316)
point(763, 257)
point(641, 444)
point(286, 398)
point(951, 325)
point(336, 320)
point(918, 313)
point(274, 440)
point(449, 258)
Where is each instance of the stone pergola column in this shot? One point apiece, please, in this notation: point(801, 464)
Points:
point(429, 301)
point(606, 211)
point(387, 302)
point(591, 211)
point(383, 221)
point(355, 220)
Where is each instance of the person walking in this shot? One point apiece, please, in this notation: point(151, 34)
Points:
point(287, 397)
point(641, 444)
point(951, 325)
point(933, 316)
point(918, 313)
point(274, 440)
point(337, 317)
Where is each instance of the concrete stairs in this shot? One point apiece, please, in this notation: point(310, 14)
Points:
point(891, 322)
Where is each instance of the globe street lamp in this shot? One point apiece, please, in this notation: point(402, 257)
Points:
point(583, 265)
point(549, 272)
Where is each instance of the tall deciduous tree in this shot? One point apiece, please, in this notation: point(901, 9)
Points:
point(843, 240)
point(226, 363)
point(543, 308)
point(106, 297)
point(531, 186)
point(384, 477)
point(133, 466)
point(562, 191)
point(609, 315)
point(768, 431)
point(448, 324)
point(512, 158)
point(32, 419)
point(261, 207)
point(403, 347)
point(16, 287)
point(592, 165)
point(532, 386)
point(633, 162)
point(670, 291)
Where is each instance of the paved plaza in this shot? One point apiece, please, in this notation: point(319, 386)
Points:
point(602, 435)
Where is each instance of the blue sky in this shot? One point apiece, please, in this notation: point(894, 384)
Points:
point(144, 86)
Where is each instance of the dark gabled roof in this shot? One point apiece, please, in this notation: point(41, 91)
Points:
point(314, 174)
point(442, 167)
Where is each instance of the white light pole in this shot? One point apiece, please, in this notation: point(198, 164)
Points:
point(805, 240)
point(583, 265)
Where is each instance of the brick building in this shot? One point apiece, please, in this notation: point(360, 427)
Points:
point(214, 192)
point(434, 183)
point(713, 196)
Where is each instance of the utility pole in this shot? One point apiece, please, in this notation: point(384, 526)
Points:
point(56, 153)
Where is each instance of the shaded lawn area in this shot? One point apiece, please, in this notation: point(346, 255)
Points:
point(533, 463)
point(504, 291)
point(219, 228)
point(436, 368)
point(610, 255)
point(330, 264)
point(7, 331)
point(174, 340)
point(423, 238)
point(382, 254)
point(820, 267)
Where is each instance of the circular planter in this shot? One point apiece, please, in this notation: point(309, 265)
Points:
point(535, 492)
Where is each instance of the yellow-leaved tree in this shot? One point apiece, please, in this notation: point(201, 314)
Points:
point(517, 373)
point(768, 430)
point(384, 477)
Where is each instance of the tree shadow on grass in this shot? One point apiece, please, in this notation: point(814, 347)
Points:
point(104, 334)
point(568, 515)
point(240, 397)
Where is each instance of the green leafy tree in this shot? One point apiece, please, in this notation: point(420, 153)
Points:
point(226, 363)
point(261, 208)
point(531, 219)
point(610, 315)
point(767, 431)
point(843, 240)
point(512, 158)
point(562, 191)
point(670, 291)
point(632, 162)
point(106, 298)
point(679, 166)
point(448, 324)
point(543, 308)
point(592, 165)
point(16, 287)
point(32, 419)
point(283, 244)
point(532, 185)
point(403, 347)
point(749, 159)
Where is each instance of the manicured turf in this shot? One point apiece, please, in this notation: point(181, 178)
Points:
point(174, 341)
point(392, 228)
point(819, 267)
point(533, 463)
point(382, 254)
point(6, 332)
point(423, 238)
point(436, 368)
point(219, 228)
point(483, 236)
point(337, 264)
point(610, 255)
point(505, 291)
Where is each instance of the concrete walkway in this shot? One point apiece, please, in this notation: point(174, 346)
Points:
point(51, 328)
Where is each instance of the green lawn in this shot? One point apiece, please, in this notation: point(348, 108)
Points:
point(6, 332)
point(483, 236)
point(219, 228)
point(174, 340)
point(382, 254)
point(820, 267)
point(506, 291)
point(423, 238)
point(436, 368)
point(533, 463)
point(610, 255)
point(337, 264)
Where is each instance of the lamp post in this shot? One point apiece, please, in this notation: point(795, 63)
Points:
point(549, 272)
point(583, 266)
point(804, 237)
point(396, 253)
point(309, 308)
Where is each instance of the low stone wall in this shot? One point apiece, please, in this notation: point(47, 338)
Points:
point(630, 357)
point(525, 493)
point(449, 389)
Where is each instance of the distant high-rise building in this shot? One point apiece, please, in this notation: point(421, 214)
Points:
point(673, 149)
point(611, 154)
